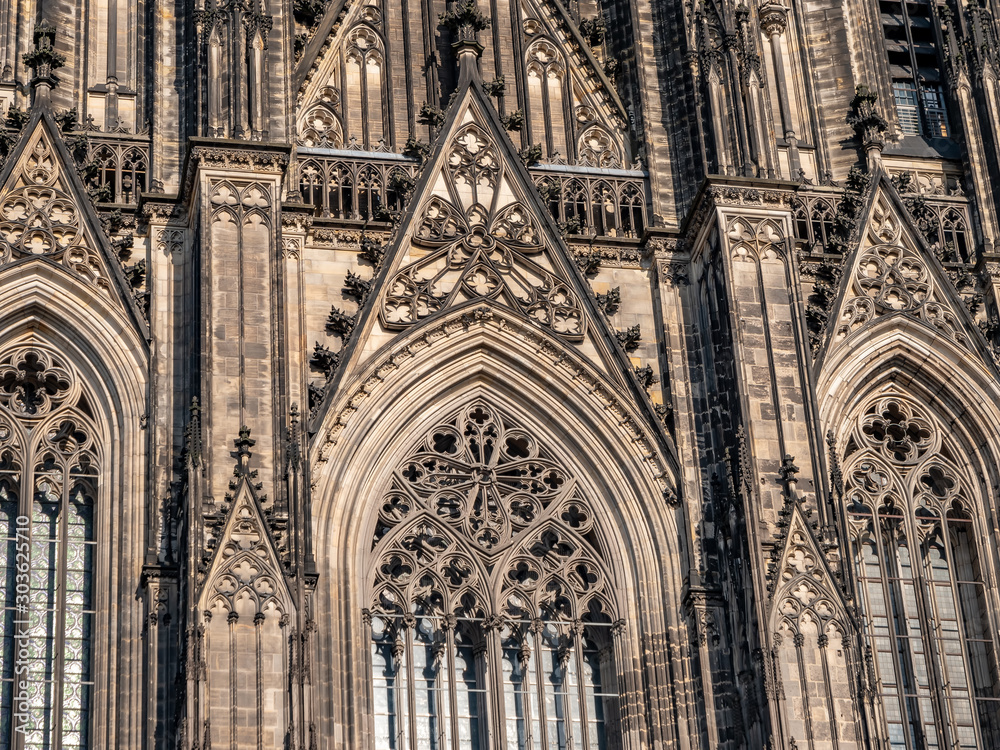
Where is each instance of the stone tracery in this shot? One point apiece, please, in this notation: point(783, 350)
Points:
point(891, 277)
point(484, 541)
point(910, 511)
point(38, 216)
point(484, 243)
point(50, 461)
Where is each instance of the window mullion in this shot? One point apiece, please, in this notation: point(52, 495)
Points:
point(411, 691)
point(930, 635)
point(893, 598)
point(452, 696)
point(581, 687)
point(59, 619)
point(543, 727)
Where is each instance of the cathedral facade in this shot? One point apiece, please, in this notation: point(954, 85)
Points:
point(499, 375)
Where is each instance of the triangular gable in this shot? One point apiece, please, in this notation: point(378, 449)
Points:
point(593, 87)
point(800, 577)
point(892, 273)
point(476, 231)
point(45, 213)
point(244, 560)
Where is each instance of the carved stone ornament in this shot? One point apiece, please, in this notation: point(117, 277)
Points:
point(40, 217)
point(480, 520)
point(476, 240)
point(246, 568)
point(755, 239)
point(891, 277)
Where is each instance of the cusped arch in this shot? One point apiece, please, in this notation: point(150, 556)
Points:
point(49, 309)
point(378, 416)
point(934, 369)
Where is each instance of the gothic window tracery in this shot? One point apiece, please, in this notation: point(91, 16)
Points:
point(891, 277)
point(49, 467)
point(919, 568)
point(481, 242)
point(492, 609)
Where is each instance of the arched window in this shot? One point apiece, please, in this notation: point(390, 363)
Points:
point(133, 175)
point(918, 563)
point(633, 210)
point(598, 149)
point(491, 609)
point(369, 193)
point(106, 177)
point(547, 97)
point(364, 66)
point(320, 127)
point(340, 192)
point(576, 208)
point(955, 231)
point(48, 485)
point(822, 222)
point(311, 184)
point(605, 209)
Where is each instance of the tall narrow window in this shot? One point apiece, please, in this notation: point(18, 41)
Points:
point(921, 587)
point(364, 66)
point(48, 488)
point(491, 611)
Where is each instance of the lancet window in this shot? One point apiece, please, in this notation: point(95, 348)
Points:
point(920, 568)
point(547, 97)
point(49, 466)
point(912, 53)
point(491, 614)
point(364, 83)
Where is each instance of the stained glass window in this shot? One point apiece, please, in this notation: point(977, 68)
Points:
point(48, 484)
point(921, 588)
point(491, 613)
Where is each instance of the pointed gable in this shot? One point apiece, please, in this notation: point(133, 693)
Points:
point(246, 562)
point(475, 232)
point(892, 272)
point(46, 214)
point(800, 579)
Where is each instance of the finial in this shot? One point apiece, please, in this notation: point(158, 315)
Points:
point(465, 22)
point(868, 124)
point(788, 469)
point(242, 453)
point(45, 60)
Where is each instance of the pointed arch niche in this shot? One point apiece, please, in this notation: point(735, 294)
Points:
point(487, 557)
point(916, 459)
point(71, 455)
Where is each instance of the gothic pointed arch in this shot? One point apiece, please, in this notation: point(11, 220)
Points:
point(71, 403)
point(477, 234)
point(910, 409)
point(489, 578)
point(246, 614)
point(913, 501)
point(398, 419)
point(48, 217)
